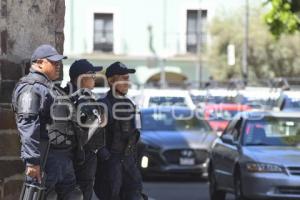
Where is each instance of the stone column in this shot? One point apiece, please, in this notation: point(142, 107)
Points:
point(24, 25)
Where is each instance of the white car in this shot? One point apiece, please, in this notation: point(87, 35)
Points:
point(164, 97)
point(101, 92)
point(288, 101)
point(212, 96)
point(258, 97)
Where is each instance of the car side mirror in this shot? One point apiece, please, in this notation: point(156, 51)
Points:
point(228, 139)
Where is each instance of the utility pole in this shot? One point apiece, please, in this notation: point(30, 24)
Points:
point(246, 43)
point(199, 37)
point(163, 57)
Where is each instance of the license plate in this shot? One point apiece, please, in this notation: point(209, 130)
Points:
point(187, 161)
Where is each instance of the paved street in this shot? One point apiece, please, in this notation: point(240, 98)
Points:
point(177, 189)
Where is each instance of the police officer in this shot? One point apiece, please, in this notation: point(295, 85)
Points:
point(82, 81)
point(33, 100)
point(118, 177)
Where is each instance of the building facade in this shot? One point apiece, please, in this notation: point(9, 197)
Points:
point(151, 33)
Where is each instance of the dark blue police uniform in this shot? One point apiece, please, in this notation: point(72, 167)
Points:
point(85, 171)
point(118, 176)
point(35, 101)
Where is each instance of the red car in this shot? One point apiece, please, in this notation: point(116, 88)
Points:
point(218, 115)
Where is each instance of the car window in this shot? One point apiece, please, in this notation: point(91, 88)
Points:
point(198, 99)
point(291, 103)
point(272, 131)
point(167, 121)
point(167, 101)
point(220, 99)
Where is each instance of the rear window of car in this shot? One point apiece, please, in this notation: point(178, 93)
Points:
point(168, 121)
point(167, 101)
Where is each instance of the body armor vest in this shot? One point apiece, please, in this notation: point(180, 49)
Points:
point(91, 114)
point(61, 130)
point(122, 130)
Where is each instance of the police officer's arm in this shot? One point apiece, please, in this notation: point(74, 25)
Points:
point(28, 122)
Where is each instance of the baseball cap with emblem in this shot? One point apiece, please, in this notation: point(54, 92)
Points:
point(46, 51)
point(118, 68)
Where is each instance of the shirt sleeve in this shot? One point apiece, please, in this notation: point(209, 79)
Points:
point(28, 123)
point(29, 128)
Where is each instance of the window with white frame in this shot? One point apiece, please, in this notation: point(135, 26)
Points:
point(196, 30)
point(103, 32)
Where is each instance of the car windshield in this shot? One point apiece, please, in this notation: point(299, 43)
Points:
point(272, 131)
point(220, 99)
point(198, 99)
point(167, 101)
point(172, 121)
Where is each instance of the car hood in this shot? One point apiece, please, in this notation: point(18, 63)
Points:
point(178, 139)
point(287, 156)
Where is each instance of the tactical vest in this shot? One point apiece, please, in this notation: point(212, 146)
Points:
point(122, 133)
point(55, 119)
point(90, 112)
point(61, 130)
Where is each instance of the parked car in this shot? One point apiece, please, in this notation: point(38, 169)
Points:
point(257, 157)
point(199, 97)
point(218, 115)
point(100, 92)
point(258, 97)
point(175, 142)
point(288, 101)
point(164, 97)
point(212, 96)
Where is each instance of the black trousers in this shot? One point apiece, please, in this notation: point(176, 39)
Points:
point(118, 178)
point(85, 174)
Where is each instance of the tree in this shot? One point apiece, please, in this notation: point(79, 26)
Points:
point(267, 57)
point(283, 17)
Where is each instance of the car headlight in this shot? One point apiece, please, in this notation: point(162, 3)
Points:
point(145, 162)
point(264, 168)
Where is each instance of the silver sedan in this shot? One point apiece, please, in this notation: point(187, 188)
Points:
point(257, 157)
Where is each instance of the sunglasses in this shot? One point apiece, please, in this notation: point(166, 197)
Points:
point(55, 63)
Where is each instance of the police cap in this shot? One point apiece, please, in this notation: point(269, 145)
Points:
point(46, 51)
point(82, 66)
point(118, 68)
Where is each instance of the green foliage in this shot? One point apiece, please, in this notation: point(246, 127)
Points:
point(267, 57)
point(283, 17)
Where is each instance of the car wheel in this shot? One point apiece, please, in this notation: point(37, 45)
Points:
point(214, 193)
point(238, 189)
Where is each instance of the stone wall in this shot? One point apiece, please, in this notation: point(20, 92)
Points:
point(24, 25)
